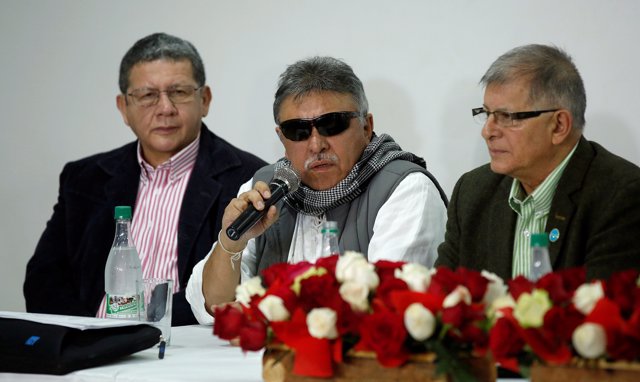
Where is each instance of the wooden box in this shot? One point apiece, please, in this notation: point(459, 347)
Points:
point(363, 366)
point(587, 371)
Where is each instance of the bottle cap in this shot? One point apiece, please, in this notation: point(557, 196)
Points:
point(329, 226)
point(539, 240)
point(122, 212)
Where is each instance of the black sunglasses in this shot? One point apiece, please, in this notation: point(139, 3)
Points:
point(327, 125)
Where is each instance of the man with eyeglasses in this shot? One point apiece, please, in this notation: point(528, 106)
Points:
point(386, 204)
point(544, 177)
point(177, 176)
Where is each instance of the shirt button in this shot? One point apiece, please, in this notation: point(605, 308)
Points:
point(525, 233)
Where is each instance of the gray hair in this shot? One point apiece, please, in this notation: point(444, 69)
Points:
point(160, 46)
point(319, 74)
point(554, 78)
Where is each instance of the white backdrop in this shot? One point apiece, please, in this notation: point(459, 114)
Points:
point(420, 62)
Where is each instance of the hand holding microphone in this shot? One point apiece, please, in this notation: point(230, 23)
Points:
point(285, 180)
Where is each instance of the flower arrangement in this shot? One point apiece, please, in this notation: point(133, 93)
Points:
point(343, 304)
point(563, 318)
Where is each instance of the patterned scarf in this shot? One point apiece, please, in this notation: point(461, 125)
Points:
point(380, 151)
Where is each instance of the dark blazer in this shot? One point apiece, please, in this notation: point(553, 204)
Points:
point(66, 273)
point(596, 209)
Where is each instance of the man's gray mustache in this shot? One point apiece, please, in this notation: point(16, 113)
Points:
point(327, 157)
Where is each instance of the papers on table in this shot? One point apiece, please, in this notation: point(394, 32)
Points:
point(75, 322)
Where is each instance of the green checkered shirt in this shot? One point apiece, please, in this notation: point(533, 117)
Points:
point(532, 211)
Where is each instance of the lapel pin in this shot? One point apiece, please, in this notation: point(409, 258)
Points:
point(554, 235)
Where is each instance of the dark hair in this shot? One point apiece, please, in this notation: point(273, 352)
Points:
point(159, 46)
point(553, 78)
point(318, 74)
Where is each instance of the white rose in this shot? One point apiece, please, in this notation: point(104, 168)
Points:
point(352, 266)
point(586, 296)
point(321, 323)
point(495, 288)
point(356, 294)
point(344, 263)
point(248, 289)
point(531, 308)
point(273, 308)
point(589, 340)
point(419, 321)
point(458, 295)
point(417, 276)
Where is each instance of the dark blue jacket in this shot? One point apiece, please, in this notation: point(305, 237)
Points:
point(66, 273)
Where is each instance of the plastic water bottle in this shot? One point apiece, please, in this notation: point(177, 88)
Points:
point(123, 272)
point(329, 239)
point(540, 264)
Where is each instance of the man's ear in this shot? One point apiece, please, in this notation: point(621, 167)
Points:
point(121, 104)
point(563, 126)
point(207, 97)
point(368, 128)
point(279, 133)
point(282, 138)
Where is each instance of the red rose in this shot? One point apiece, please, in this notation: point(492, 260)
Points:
point(623, 337)
point(253, 336)
point(386, 269)
point(465, 323)
point(553, 284)
point(319, 291)
point(329, 263)
point(388, 287)
point(623, 343)
point(546, 345)
point(443, 282)
point(454, 315)
point(506, 343)
point(475, 283)
point(284, 272)
point(348, 320)
point(563, 321)
point(384, 333)
point(518, 286)
point(547, 342)
point(228, 322)
point(400, 300)
point(622, 289)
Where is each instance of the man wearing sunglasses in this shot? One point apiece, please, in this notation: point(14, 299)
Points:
point(177, 176)
point(386, 204)
point(544, 176)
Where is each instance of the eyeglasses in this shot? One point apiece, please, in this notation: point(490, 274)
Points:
point(145, 97)
point(327, 125)
point(503, 118)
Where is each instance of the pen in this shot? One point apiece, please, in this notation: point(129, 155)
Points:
point(162, 346)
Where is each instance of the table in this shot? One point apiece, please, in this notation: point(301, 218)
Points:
point(195, 354)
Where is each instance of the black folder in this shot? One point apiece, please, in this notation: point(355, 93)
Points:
point(33, 347)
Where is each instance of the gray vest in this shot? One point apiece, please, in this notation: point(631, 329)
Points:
point(355, 220)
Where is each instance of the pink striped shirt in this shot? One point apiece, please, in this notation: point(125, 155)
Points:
point(154, 227)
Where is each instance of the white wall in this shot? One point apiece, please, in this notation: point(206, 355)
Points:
point(420, 62)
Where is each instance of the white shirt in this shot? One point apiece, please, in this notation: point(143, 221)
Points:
point(409, 227)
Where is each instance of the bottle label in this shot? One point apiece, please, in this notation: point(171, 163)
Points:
point(122, 306)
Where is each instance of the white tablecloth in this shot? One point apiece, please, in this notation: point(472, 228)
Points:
point(195, 354)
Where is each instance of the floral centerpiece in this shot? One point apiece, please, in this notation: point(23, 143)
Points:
point(564, 320)
point(342, 305)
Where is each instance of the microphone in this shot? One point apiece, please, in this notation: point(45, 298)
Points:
point(285, 180)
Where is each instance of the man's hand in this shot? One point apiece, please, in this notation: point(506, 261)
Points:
point(255, 197)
